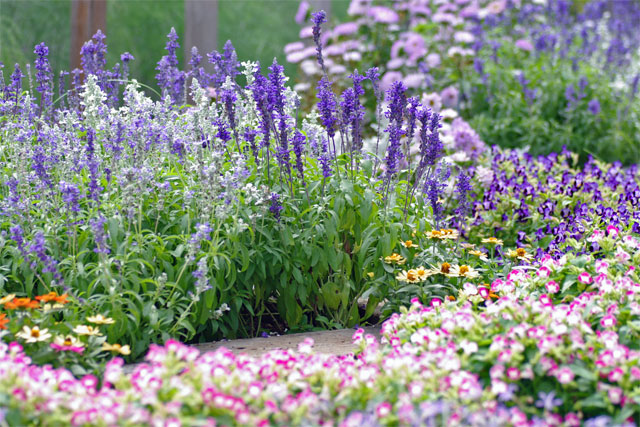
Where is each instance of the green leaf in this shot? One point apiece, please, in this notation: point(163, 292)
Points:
point(331, 295)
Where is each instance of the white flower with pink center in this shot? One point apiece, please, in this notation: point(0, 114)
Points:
point(608, 321)
point(564, 375)
point(543, 272)
point(513, 373)
point(552, 287)
point(585, 278)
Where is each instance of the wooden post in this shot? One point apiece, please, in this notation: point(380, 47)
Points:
point(200, 29)
point(87, 17)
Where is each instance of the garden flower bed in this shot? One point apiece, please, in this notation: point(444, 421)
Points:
point(556, 343)
point(137, 223)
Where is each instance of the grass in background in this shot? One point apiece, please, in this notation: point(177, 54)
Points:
point(140, 27)
point(25, 23)
point(259, 29)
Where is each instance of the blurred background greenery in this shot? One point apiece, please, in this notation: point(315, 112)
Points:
point(258, 29)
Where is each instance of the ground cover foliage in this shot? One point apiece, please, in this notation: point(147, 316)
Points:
point(224, 209)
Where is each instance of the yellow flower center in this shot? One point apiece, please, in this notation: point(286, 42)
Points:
point(464, 269)
point(521, 252)
point(68, 341)
point(408, 243)
point(412, 275)
point(35, 333)
point(445, 267)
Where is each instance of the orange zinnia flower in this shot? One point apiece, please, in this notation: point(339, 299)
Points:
point(53, 296)
point(47, 297)
point(3, 321)
point(21, 303)
point(62, 299)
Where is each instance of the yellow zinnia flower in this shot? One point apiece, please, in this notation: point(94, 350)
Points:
point(423, 273)
point(463, 271)
point(408, 244)
point(116, 348)
point(434, 234)
point(443, 268)
point(480, 255)
point(450, 234)
point(445, 233)
point(410, 276)
point(87, 330)
point(395, 258)
point(100, 320)
point(493, 241)
point(520, 254)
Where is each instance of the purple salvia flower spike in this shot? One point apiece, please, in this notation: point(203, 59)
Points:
point(318, 18)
